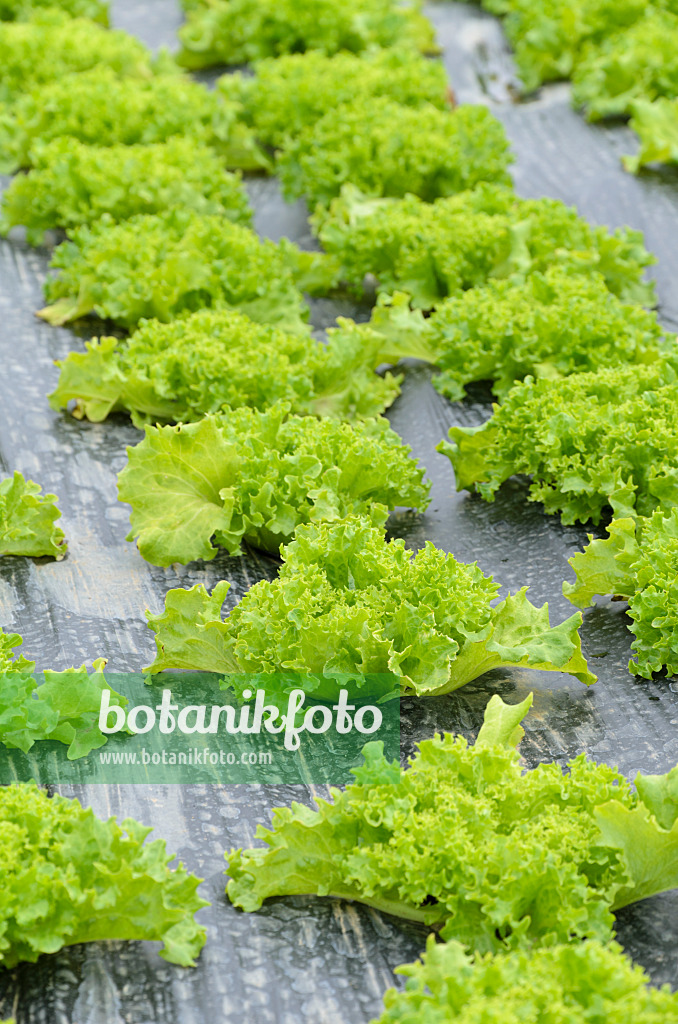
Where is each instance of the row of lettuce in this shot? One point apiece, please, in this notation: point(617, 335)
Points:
point(436, 225)
point(520, 873)
point(619, 54)
point(272, 438)
point(620, 57)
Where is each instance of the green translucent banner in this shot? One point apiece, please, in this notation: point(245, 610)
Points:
point(192, 727)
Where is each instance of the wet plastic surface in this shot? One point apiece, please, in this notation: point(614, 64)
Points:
point(308, 959)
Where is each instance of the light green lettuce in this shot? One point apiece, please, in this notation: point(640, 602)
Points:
point(70, 877)
point(388, 149)
point(578, 982)
point(239, 31)
point(638, 561)
point(21, 10)
point(51, 45)
point(590, 442)
point(656, 124)
point(466, 841)
point(348, 603)
point(636, 64)
point(435, 250)
point(287, 94)
point(550, 325)
point(28, 520)
point(165, 265)
point(211, 360)
point(73, 184)
point(257, 476)
point(64, 706)
point(101, 109)
point(548, 36)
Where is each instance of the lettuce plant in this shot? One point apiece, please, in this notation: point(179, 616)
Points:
point(21, 10)
point(656, 124)
point(577, 982)
point(258, 476)
point(69, 877)
point(464, 840)
point(28, 520)
point(216, 359)
point(550, 325)
point(102, 109)
point(166, 265)
point(239, 31)
point(288, 94)
point(636, 64)
point(64, 706)
point(348, 603)
point(548, 36)
point(638, 560)
point(435, 250)
point(388, 149)
point(591, 442)
point(74, 184)
point(51, 44)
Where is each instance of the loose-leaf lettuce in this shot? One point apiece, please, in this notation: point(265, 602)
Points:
point(102, 109)
point(210, 360)
point(51, 45)
point(579, 983)
point(388, 149)
point(550, 325)
point(64, 706)
point(287, 94)
point(239, 31)
point(74, 184)
point(69, 877)
point(638, 560)
point(257, 476)
point(548, 35)
point(164, 265)
point(656, 124)
point(21, 10)
point(466, 841)
point(637, 64)
point(434, 250)
point(590, 441)
point(347, 602)
point(27, 520)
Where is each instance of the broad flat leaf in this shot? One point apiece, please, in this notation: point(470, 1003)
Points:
point(604, 567)
point(75, 695)
point(501, 723)
point(181, 485)
point(659, 793)
point(650, 852)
